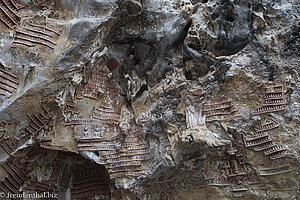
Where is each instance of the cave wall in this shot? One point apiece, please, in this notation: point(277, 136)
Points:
point(150, 99)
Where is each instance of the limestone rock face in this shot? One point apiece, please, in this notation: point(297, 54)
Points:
point(150, 99)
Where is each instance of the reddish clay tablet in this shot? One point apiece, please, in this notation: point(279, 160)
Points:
point(112, 64)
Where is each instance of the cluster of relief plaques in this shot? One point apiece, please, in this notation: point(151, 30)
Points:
point(101, 133)
point(120, 151)
point(223, 108)
point(232, 172)
point(217, 109)
point(9, 12)
point(234, 166)
point(32, 34)
point(36, 186)
point(237, 170)
point(261, 141)
point(275, 100)
point(69, 106)
point(99, 82)
point(27, 33)
point(20, 175)
point(95, 133)
point(9, 82)
point(17, 174)
point(220, 109)
point(127, 161)
point(38, 128)
point(275, 171)
point(38, 122)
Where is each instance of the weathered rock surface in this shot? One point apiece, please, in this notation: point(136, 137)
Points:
point(150, 99)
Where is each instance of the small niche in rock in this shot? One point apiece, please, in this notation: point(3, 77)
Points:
point(194, 44)
point(223, 2)
point(229, 19)
point(215, 15)
point(271, 70)
point(188, 75)
point(198, 1)
point(136, 61)
point(295, 33)
point(141, 91)
point(195, 73)
point(258, 7)
point(249, 5)
point(182, 36)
